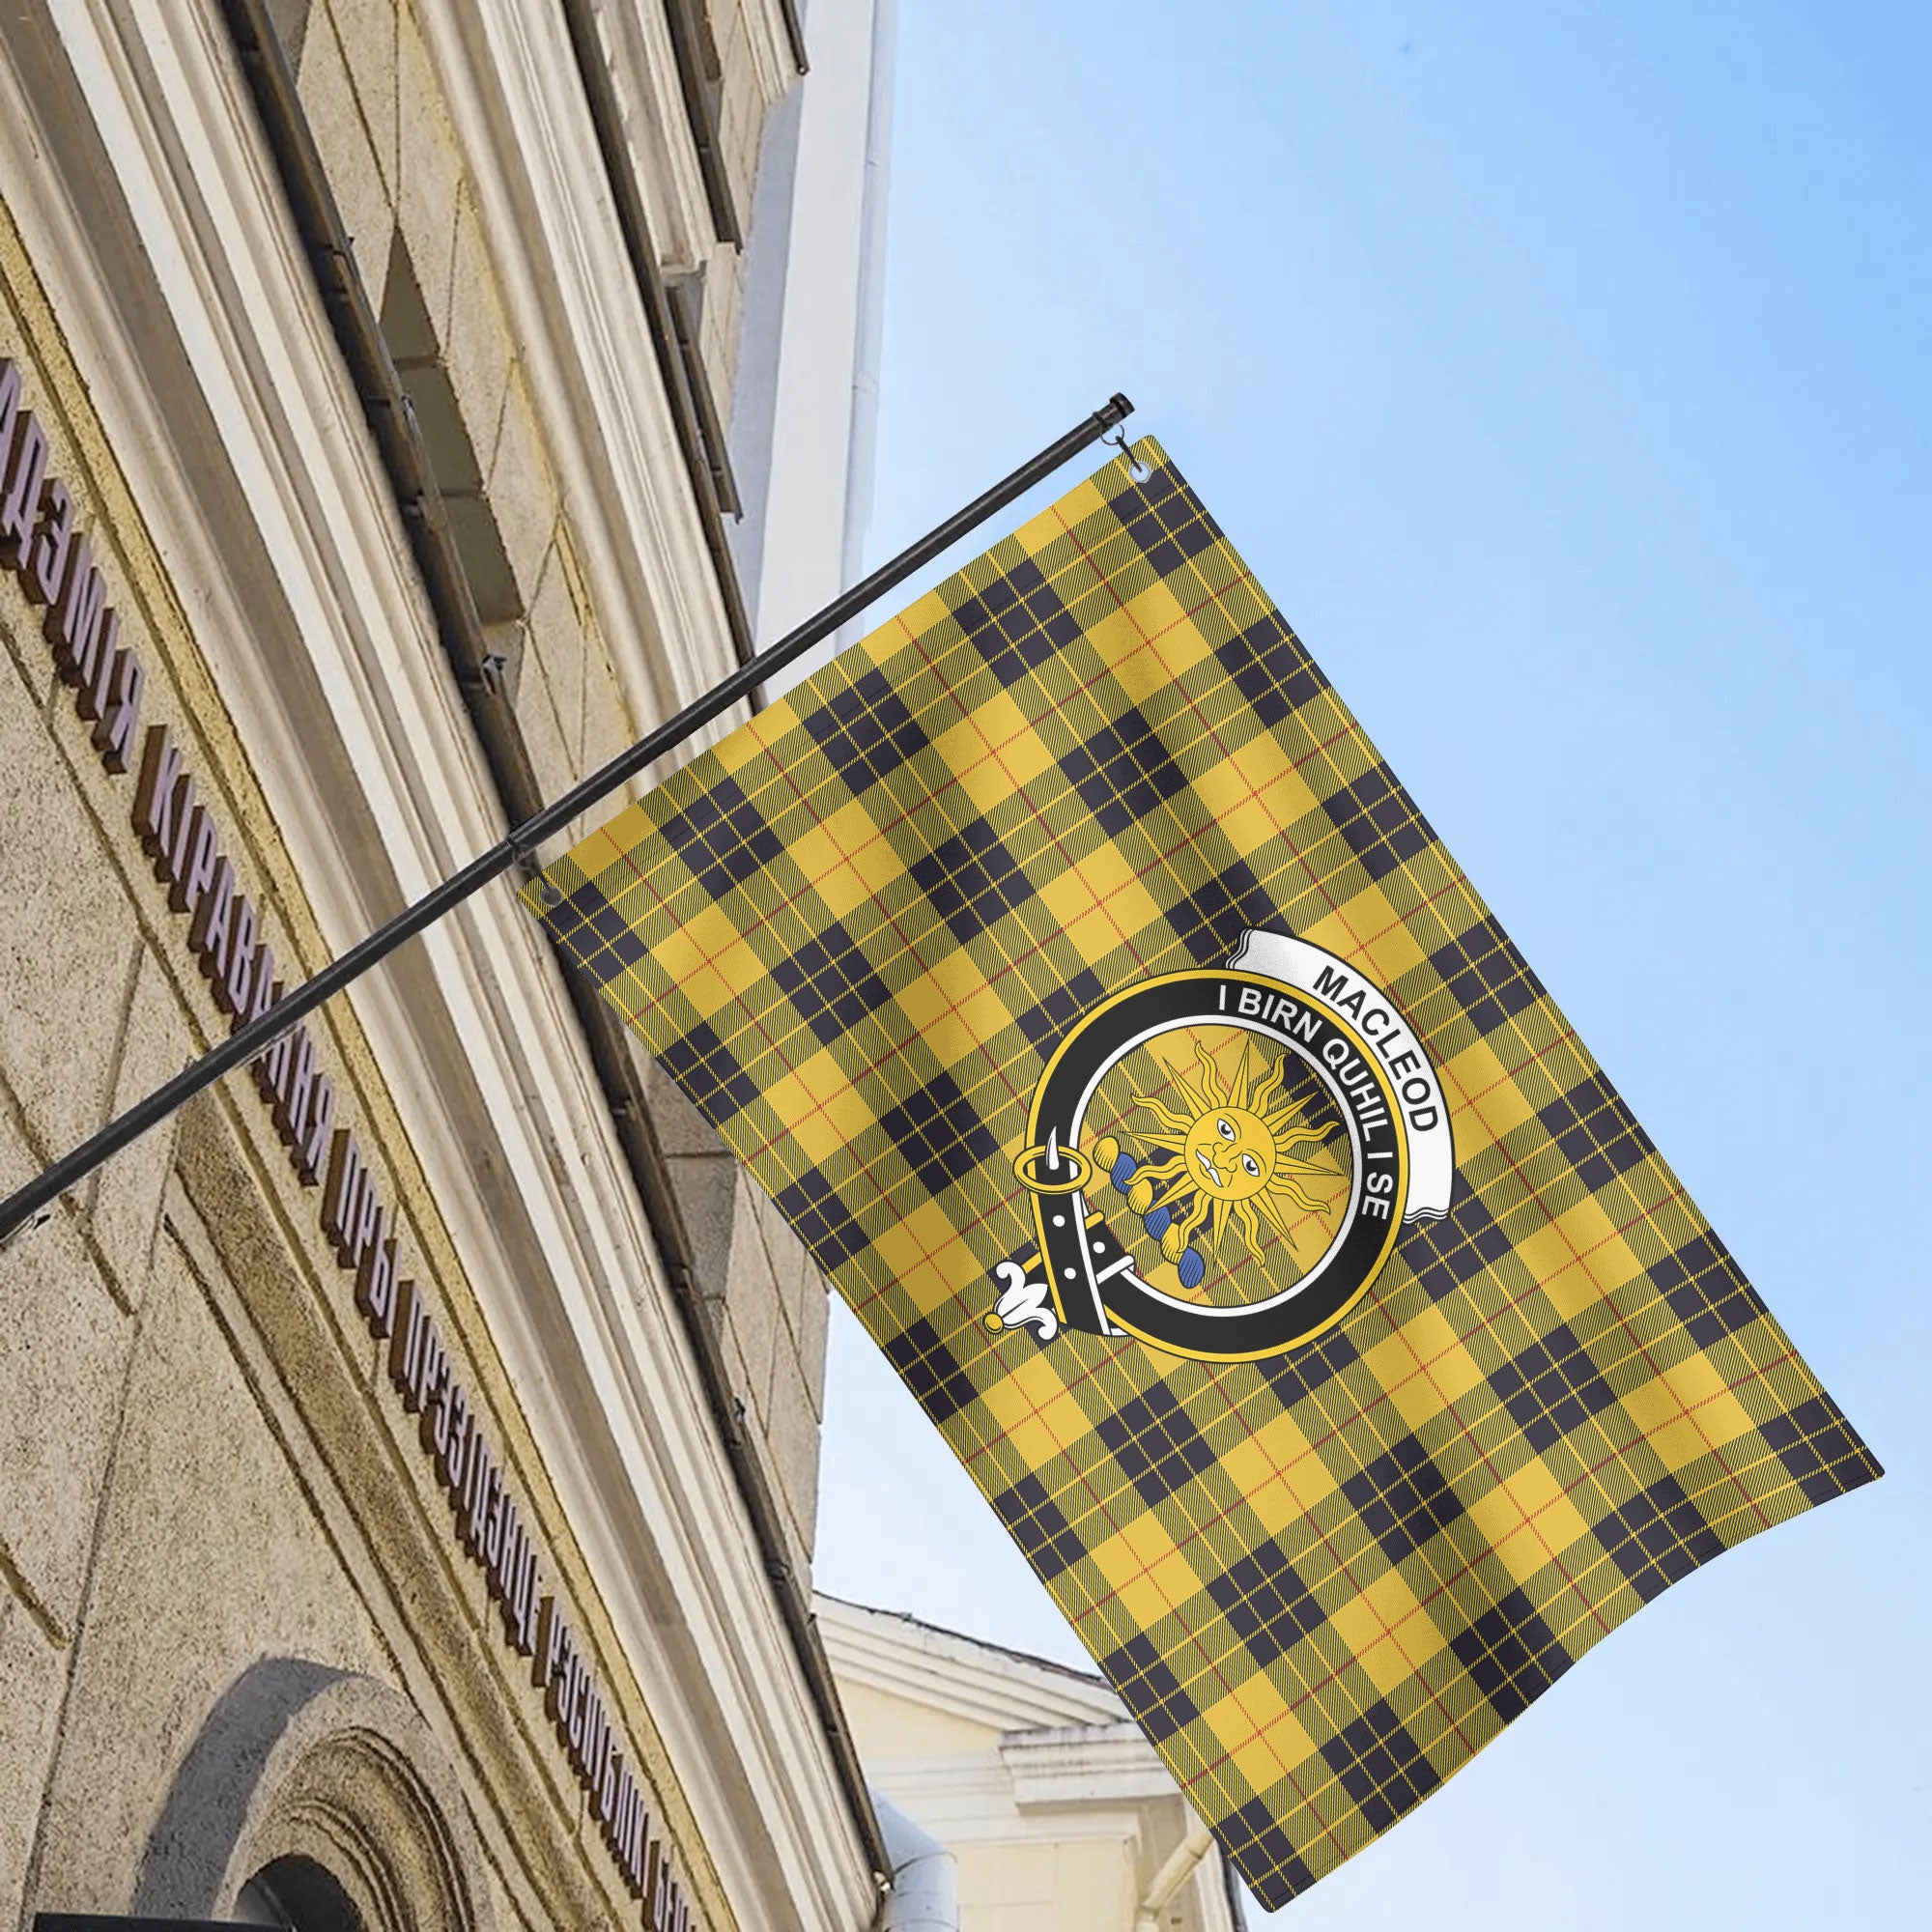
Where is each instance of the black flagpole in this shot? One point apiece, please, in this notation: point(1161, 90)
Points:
point(34, 1200)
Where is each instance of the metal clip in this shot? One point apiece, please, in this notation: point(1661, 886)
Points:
point(532, 868)
point(1136, 468)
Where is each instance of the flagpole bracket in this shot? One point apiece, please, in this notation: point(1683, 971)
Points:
point(17, 1234)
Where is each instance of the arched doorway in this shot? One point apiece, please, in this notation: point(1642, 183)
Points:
point(316, 1801)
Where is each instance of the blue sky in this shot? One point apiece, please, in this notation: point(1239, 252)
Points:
point(1563, 372)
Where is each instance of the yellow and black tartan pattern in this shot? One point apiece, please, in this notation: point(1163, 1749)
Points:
point(854, 931)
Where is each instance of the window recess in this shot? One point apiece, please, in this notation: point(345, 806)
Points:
point(701, 79)
point(686, 296)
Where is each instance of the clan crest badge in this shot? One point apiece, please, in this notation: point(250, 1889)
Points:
point(1259, 1133)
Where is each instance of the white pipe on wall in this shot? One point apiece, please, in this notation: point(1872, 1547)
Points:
point(925, 1882)
point(1175, 1871)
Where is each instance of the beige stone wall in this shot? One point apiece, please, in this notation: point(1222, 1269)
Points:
point(1046, 1887)
point(202, 1464)
point(766, 1301)
point(373, 96)
point(375, 103)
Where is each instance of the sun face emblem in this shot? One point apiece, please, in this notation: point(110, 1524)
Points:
point(1282, 1098)
point(1232, 1157)
point(1235, 1156)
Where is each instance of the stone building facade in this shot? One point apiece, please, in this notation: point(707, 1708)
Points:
point(407, 1454)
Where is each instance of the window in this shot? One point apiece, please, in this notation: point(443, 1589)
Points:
point(701, 77)
point(411, 337)
point(299, 1895)
point(685, 294)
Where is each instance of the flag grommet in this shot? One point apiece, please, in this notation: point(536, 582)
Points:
point(1136, 468)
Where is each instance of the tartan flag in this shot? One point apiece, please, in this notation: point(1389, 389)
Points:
point(1127, 1050)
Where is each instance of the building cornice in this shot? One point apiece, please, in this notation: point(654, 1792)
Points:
point(970, 1801)
point(951, 1673)
point(1080, 1765)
